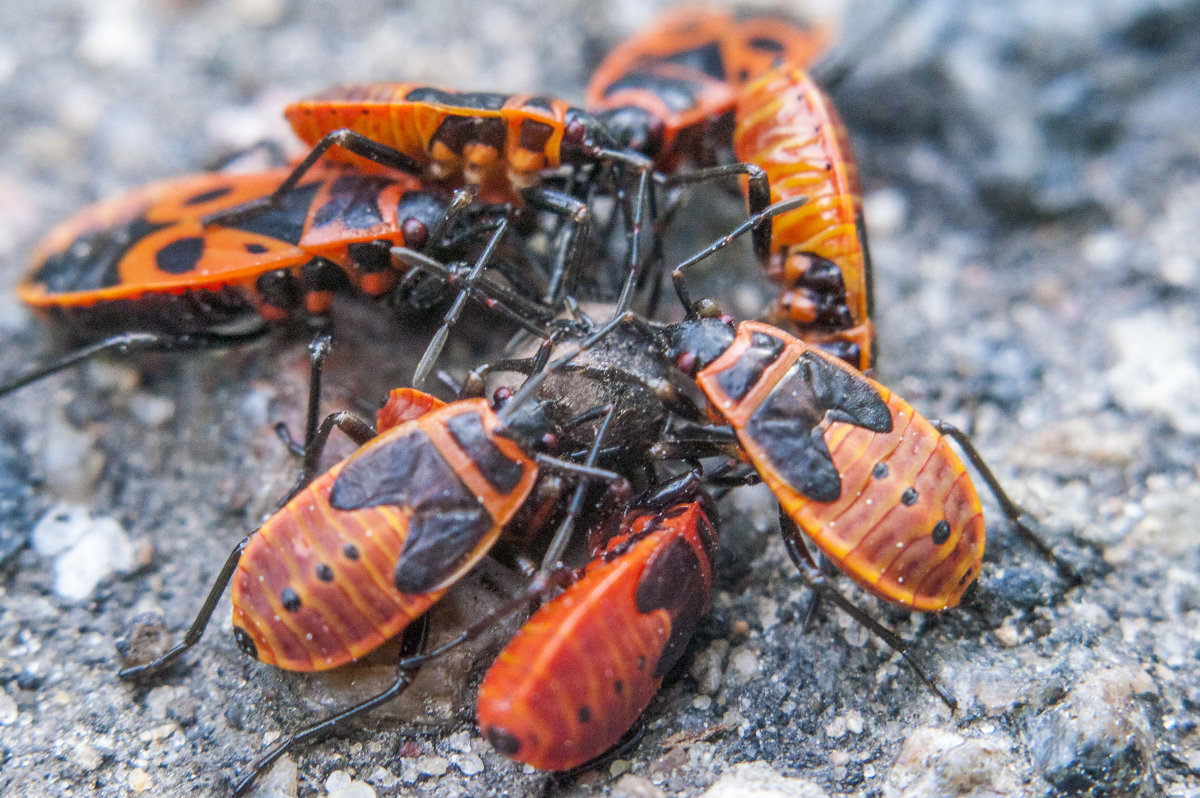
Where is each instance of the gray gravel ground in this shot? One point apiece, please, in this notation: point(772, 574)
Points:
point(1033, 185)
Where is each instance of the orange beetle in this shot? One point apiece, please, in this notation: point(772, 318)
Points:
point(669, 91)
point(147, 260)
point(502, 142)
point(873, 484)
point(788, 126)
point(585, 666)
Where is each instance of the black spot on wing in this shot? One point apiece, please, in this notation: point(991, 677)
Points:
point(441, 538)
point(286, 221)
point(672, 581)
point(180, 256)
point(93, 260)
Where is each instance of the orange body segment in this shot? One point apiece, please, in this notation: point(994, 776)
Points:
point(904, 520)
point(788, 126)
point(586, 665)
point(323, 581)
point(335, 620)
point(147, 260)
point(485, 138)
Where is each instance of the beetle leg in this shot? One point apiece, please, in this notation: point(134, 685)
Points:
point(1027, 525)
point(125, 343)
point(758, 196)
point(752, 223)
point(414, 642)
point(819, 582)
point(345, 138)
point(195, 631)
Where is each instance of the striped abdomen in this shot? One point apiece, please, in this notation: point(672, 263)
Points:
point(371, 544)
point(874, 485)
point(482, 136)
point(789, 127)
point(585, 666)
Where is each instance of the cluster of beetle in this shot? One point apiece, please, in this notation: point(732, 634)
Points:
point(526, 207)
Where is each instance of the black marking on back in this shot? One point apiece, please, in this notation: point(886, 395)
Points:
point(941, 532)
point(786, 425)
point(766, 45)
point(455, 132)
point(92, 261)
point(406, 471)
point(477, 100)
point(502, 472)
point(245, 642)
point(255, 249)
point(180, 256)
point(285, 222)
point(737, 380)
point(678, 94)
point(502, 740)
point(706, 58)
point(290, 599)
point(541, 103)
point(353, 202)
point(441, 537)
point(205, 197)
point(447, 522)
point(534, 135)
point(672, 581)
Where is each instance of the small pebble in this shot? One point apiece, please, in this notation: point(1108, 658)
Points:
point(341, 785)
point(469, 763)
point(281, 781)
point(152, 411)
point(87, 757)
point(139, 780)
point(86, 550)
point(8, 710)
point(432, 765)
point(634, 786)
point(760, 780)
point(745, 662)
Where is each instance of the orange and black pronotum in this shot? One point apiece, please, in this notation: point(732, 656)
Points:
point(669, 90)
